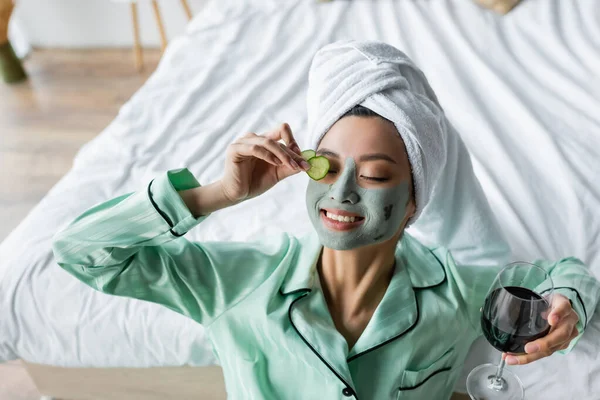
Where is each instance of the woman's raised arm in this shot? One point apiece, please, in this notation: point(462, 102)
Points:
point(133, 245)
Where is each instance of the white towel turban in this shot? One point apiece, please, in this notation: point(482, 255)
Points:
point(451, 208)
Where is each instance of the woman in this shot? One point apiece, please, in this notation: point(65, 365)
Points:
point(359, 309)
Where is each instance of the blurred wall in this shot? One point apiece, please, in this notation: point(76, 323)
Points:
point(97, 23)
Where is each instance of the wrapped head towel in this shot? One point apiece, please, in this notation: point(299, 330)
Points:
point(451, 208)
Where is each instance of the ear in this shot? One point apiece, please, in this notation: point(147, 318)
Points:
point(413, 199)
point(411, 205)
point(411, 209)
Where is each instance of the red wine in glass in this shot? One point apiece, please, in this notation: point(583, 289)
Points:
point(513, 314)
point(509, 320)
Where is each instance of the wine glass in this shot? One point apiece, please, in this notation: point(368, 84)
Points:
point(514, 313)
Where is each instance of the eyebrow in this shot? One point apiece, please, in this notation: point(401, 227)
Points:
point(327, 152)
point(377, 156)
point(365, 157)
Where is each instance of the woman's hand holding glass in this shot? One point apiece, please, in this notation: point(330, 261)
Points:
point(563, 322)
point(523, 317)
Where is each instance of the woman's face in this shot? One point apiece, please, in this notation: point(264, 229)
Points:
point(365, 198)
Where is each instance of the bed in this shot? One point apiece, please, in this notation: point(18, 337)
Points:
point(522, 90)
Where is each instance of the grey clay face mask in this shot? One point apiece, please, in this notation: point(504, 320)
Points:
point(383, 209)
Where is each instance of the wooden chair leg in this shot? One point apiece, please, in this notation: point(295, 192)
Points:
point(6, 9)
point(159, 22)
point(137, 46)
point(188, 10)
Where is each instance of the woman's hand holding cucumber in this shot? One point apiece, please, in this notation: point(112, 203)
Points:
point(254, 164)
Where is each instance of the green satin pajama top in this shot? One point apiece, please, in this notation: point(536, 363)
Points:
point(264, 311)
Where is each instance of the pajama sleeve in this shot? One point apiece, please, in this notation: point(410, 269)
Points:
point(573, 280)
point(133, 246)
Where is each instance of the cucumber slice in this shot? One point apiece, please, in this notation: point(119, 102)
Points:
point(319, 166)
point(308, 154)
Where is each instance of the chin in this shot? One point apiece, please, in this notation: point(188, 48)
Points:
point(342, 247)
point(345, 245)
point(354, 245)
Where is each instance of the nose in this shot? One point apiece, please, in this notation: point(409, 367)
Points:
point(343, 189)
point(346, 197)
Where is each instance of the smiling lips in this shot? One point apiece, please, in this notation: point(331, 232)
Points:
point(340, 220)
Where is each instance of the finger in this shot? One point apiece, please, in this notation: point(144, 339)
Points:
point(522, 359)
point(292, 159)
point(575, 333)
point(282, 152)
point(290, 145)
point(561, 308)
point(249, 135)
point(288, 138)
point(253, 150)
point(556, 338)
point(299, 159)
point(272, 146)
point(566, 344)
point(285, 132)
point(285, 172)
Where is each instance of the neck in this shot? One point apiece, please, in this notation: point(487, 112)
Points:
point(354, 281)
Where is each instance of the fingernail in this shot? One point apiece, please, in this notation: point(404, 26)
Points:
point(512, 360)
point(532, 348)
point(555, 319)
point(294, 164)
point(305, 165)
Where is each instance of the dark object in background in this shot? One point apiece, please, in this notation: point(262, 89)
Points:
point(10, 66)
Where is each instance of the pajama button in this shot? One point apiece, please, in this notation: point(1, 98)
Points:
point(347, 392)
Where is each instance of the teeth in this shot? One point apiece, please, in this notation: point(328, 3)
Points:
point(340, 218)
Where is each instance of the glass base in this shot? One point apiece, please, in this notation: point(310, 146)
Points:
point(482, 384)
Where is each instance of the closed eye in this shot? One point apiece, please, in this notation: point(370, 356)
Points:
point(375, 178)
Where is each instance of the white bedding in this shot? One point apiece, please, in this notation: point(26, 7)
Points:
point(523, 90)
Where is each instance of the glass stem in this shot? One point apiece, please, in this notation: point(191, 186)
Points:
point(499, 372)
point(495, 382)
